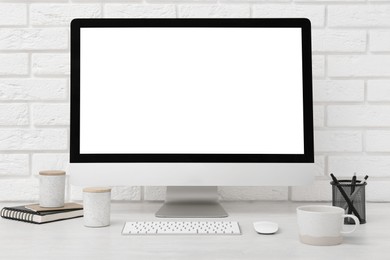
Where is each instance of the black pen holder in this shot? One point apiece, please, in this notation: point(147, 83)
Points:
point(359, 200)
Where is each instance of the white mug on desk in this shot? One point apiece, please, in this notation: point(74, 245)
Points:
point(322, 225)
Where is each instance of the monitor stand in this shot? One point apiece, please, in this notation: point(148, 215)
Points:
point(191, 202)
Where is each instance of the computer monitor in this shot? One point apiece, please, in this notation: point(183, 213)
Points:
point(191, 104)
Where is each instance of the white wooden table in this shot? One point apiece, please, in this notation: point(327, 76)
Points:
point(71, 240)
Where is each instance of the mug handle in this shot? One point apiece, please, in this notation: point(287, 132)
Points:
point(357, 223)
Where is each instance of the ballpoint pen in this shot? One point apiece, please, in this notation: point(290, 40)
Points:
point(353, 184)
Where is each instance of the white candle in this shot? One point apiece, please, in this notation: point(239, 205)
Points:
point(51, 188)
point(97, 206)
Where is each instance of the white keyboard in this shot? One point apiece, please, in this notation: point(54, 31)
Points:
point(181, 228)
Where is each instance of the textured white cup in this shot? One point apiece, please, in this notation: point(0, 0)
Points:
point(322, 225)
point(51, 189)
point(97, 207)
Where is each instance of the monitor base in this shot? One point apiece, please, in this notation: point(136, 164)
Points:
point(191, 202)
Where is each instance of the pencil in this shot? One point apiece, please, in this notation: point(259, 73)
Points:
point(353, 184)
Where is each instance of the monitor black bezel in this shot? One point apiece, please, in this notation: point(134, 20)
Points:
point(303, 23)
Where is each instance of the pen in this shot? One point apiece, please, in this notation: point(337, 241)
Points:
point(353, 184)
point(342, 191)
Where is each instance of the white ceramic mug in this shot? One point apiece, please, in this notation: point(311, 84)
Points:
point(322, 225)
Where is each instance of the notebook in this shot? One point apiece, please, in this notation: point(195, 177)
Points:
point(22, 213)
point(67, 206)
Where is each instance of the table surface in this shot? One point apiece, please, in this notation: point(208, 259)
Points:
point(71, 240)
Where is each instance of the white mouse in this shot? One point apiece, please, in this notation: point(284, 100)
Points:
point(266, 227)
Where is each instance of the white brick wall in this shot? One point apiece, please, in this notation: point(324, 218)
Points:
point(378, 141)
point(139, 11)
point(33, 89)
point(26, 189)
point(12, 139)
point(319, 115)
point(339, 40)
point(211, 11)
point(50, 64)
point(359, 65)
point(14, 165)
point(318, 66)
point(51, 114)
point(378, 90)
point(61, 14)
point(351, 68)
point(380, 40)
point(338, 141)
point(33, 39)
point(14, 64)
point(367, 15)
point(13, 14)
point(13, 114)
point(320, 190)
point(338, 90)
point(359, 115)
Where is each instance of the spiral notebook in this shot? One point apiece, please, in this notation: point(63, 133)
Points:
point(21, 213)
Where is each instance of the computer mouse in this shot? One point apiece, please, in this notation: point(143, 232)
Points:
point(266, 227)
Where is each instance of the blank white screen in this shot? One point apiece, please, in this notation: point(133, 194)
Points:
point(191, 90)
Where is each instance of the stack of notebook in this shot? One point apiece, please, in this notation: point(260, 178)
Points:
point(33, 213)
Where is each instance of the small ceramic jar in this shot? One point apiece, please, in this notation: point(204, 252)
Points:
point(51, 189)
point(97, 206)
